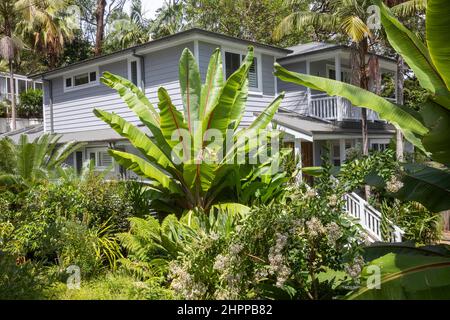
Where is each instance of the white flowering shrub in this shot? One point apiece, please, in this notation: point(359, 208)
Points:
point(281, 250)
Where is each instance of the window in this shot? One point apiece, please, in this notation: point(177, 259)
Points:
point(21, 86)
point(81, 80)
point(38, 86)
point(336, 154)
point(379, 146)
point(134, 71)
point(346, 74)
point(233, 62)
point(93, 76)
point(100, 157)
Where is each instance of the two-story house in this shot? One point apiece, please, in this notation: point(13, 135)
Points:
point(314, 120)
point(310, 119)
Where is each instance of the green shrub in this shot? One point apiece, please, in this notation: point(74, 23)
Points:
point(21, 280)
point(303, 247)
point(30, 105)
point(111, 287)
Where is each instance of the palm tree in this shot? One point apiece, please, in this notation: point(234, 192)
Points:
point(35, 161)
point(346, 21)
point(9, 45)
point(130, 29)
point(46, 25)
point(169, 19)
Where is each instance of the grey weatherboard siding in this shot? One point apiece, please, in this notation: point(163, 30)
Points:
point(72, 110)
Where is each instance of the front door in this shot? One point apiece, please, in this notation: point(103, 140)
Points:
point(307, 159)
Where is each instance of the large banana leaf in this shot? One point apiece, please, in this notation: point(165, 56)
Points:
point(427, 185)
point(213, 85)
point(398, 115)
point(222, 114)
point(191, 86)
point(416, 55)
point(171, 120)
point(407, 276)
point(145, 169)
point(266, 116)
point(137, 138)
point(139, 104)
point(437, 119)
point(437, 27)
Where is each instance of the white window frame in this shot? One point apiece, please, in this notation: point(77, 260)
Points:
point(343, 70)
point(83, 86)
point(385, 142)
point(139, 70)
point(242, 53)
point(97, 150)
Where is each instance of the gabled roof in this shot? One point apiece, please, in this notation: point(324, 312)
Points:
point(175, 37)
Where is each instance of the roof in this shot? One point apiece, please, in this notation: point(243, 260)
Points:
point(98, 135)
point(32, 132)
point(310, 126)
point(311, 47)
point(177, 36)
point(320, 47)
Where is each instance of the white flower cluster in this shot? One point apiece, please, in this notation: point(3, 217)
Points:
point(276, 260)
point(184, 284)
point(333, 200)
point(394, 185)
point(355, 269)
point(334, 232)
point(310, 193)
point(315, 227)
point(225, 264)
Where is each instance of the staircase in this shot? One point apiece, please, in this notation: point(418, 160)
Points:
point(369, 218)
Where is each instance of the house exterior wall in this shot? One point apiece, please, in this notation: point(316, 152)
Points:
point(72, 110)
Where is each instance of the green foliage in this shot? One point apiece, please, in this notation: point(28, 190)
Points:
point(420, 225)
point(34, 162)
point(112, 287)
point(30, 104)
point(21, 280)
point(188, 172)
point(407, 273)
point(426, 128)
point(297, 248)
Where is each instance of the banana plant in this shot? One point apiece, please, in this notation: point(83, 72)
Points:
point(403, 272)
point(429, 127)
point(183, 170)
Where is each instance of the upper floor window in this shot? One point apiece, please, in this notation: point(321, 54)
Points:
point(134, 71)
point(233, 62)
point(346, 74)
point(80, 80)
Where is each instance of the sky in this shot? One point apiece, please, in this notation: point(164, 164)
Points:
point(149, 7)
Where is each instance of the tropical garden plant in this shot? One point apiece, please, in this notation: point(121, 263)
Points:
point(427, 128)
point(31, 162)
point(186, 168)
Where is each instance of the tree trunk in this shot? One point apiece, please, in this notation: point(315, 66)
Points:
point(100, 19)
point(364, 84)
point(399, 150)
point(13, 96)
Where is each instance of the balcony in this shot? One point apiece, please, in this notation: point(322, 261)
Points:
point(336, 108)
point(334, 65)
